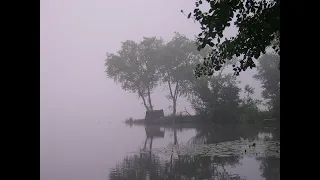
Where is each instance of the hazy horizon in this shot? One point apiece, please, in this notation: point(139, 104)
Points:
point(81, 111)
point(75, 37)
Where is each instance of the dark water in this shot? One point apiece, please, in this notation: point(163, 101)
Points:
point(101, 150)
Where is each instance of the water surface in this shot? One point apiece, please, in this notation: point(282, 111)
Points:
point(100, 149)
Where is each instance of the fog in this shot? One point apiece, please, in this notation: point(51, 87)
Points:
point(82, 134)
point(75, 37)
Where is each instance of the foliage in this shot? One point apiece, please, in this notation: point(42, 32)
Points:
point(217, 98)
point(141, 67)
point(176, 66)
point(250, 112)
point(258, 24)
point(269, 76)
point(134, 67)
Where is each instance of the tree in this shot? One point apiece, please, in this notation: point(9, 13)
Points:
point(269, 76)
point(176, 67)
point(149, 55)
point(258, 24)
point(134, 67)
point(249, 106)
point(217, 98)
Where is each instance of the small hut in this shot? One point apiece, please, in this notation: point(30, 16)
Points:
point(153, 114)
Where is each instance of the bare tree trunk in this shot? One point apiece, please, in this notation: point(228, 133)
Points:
point(144, 100)
point(149, 98)
point(145, 104)
point(174, 104)
point(174, 99)
point(149, 84)
point(170, 89)
point(174, 96)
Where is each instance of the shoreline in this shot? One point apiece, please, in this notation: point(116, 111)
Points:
point(167, 121)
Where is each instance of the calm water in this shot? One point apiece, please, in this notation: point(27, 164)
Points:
point(101, 150)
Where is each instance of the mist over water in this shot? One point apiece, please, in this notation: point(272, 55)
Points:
point(93, 150)
point(82, 134)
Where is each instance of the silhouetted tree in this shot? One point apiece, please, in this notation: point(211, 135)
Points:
point(177, 66)
point(258, 24)
point(269, 76)
point(250, 112)
point(134, 67)
point(217, 98)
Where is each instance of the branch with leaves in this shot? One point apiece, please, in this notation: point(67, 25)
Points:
point(258, 24)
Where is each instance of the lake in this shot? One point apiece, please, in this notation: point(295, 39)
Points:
point(97, 149)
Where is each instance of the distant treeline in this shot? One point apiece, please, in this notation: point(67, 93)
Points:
point(141, 67)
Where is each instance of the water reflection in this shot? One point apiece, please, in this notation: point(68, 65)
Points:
point(202, 167)
point(270, 167)
point(152, 132)
point(148, 163)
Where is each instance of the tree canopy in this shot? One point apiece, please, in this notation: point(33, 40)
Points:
point(134, 67)
point(269, 76)
point(176, 66)
point(140, 67)
point(258, 24)
point(217, 98)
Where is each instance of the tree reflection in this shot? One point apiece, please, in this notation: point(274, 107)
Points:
point(183, 168)
point(203, 167)
point(270, 168)
point(147, 164)
point(142, 166)
point(212, 134)
point(152, 132)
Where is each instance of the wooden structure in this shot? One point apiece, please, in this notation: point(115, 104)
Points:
point(153, 114)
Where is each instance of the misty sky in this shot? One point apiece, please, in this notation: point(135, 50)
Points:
point(76, 35)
